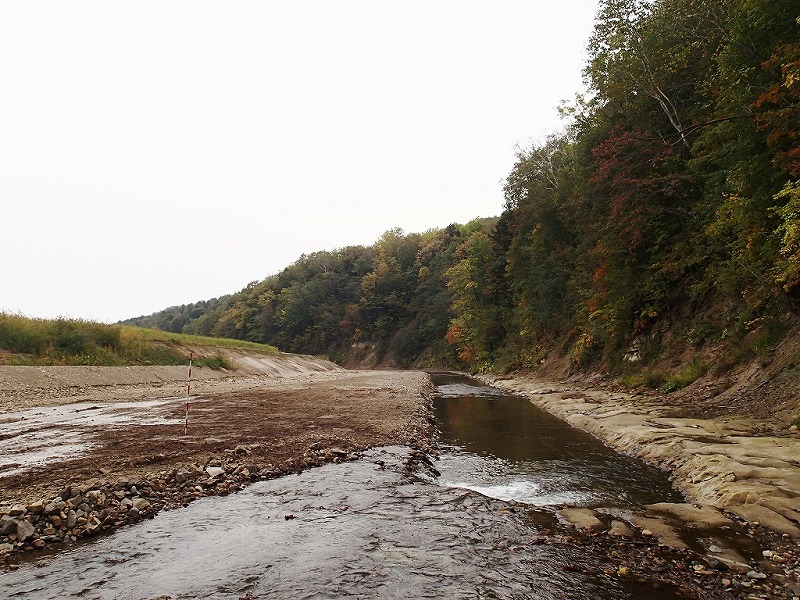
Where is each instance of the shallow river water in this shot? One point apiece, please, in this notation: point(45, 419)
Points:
point(372, 529)
point(504, 447)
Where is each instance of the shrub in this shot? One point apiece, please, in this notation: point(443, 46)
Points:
point(687, 375)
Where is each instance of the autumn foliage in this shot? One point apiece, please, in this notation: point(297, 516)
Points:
point(671, 195)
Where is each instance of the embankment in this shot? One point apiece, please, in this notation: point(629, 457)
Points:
point(26, 386)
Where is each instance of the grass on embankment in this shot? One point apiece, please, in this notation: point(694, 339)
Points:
point(25, 341)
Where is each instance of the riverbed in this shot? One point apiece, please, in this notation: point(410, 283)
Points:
point(480, 520)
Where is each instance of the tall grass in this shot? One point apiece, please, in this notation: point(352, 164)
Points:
point(26, 341)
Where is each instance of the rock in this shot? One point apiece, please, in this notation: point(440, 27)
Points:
point(756, 575)
point(55, 520)
point(180, 477)
point(8, 526)
point(620, 529)
point(96, 497)
point(133, 513)
point(715, 549)
point(581, 518)
point(72, 519)
point(36, 507)
point(6, 549)
point(25, 531)
point(767, 553)
point(55, 507)
point(702, 517)
point(140, 504)
point(215, 471)
point(794, 429)
point(17, 510)
point(758, 515)
point(666, 534)
point(733, 561)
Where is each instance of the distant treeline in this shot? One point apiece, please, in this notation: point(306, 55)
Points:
point(392, 295)
point(670, 203)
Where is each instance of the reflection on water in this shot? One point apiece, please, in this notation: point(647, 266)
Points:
point(505, 447)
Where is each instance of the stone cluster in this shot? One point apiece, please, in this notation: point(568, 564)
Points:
point(95, 506)
point(87, 509)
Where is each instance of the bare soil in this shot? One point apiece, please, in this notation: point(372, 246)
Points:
point(276, 423)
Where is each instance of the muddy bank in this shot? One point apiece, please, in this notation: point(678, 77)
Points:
point(107, 463)
point(724, 463)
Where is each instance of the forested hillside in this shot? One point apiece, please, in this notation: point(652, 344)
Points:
point(663, 222)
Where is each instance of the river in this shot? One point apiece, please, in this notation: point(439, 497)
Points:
point(480, 524)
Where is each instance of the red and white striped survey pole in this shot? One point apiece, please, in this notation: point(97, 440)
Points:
point(188, 389)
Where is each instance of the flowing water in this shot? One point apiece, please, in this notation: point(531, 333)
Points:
point(374, 529)
point(504, 447)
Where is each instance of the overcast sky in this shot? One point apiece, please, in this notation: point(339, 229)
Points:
point(159, 153)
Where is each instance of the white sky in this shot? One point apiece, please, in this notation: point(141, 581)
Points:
point(155, 153)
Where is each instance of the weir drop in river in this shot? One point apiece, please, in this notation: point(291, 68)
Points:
point(480, 523)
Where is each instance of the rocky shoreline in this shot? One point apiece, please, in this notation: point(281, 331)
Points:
point(84, 510)
point(253, 429)
point(734, 475)
point(719, 463)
